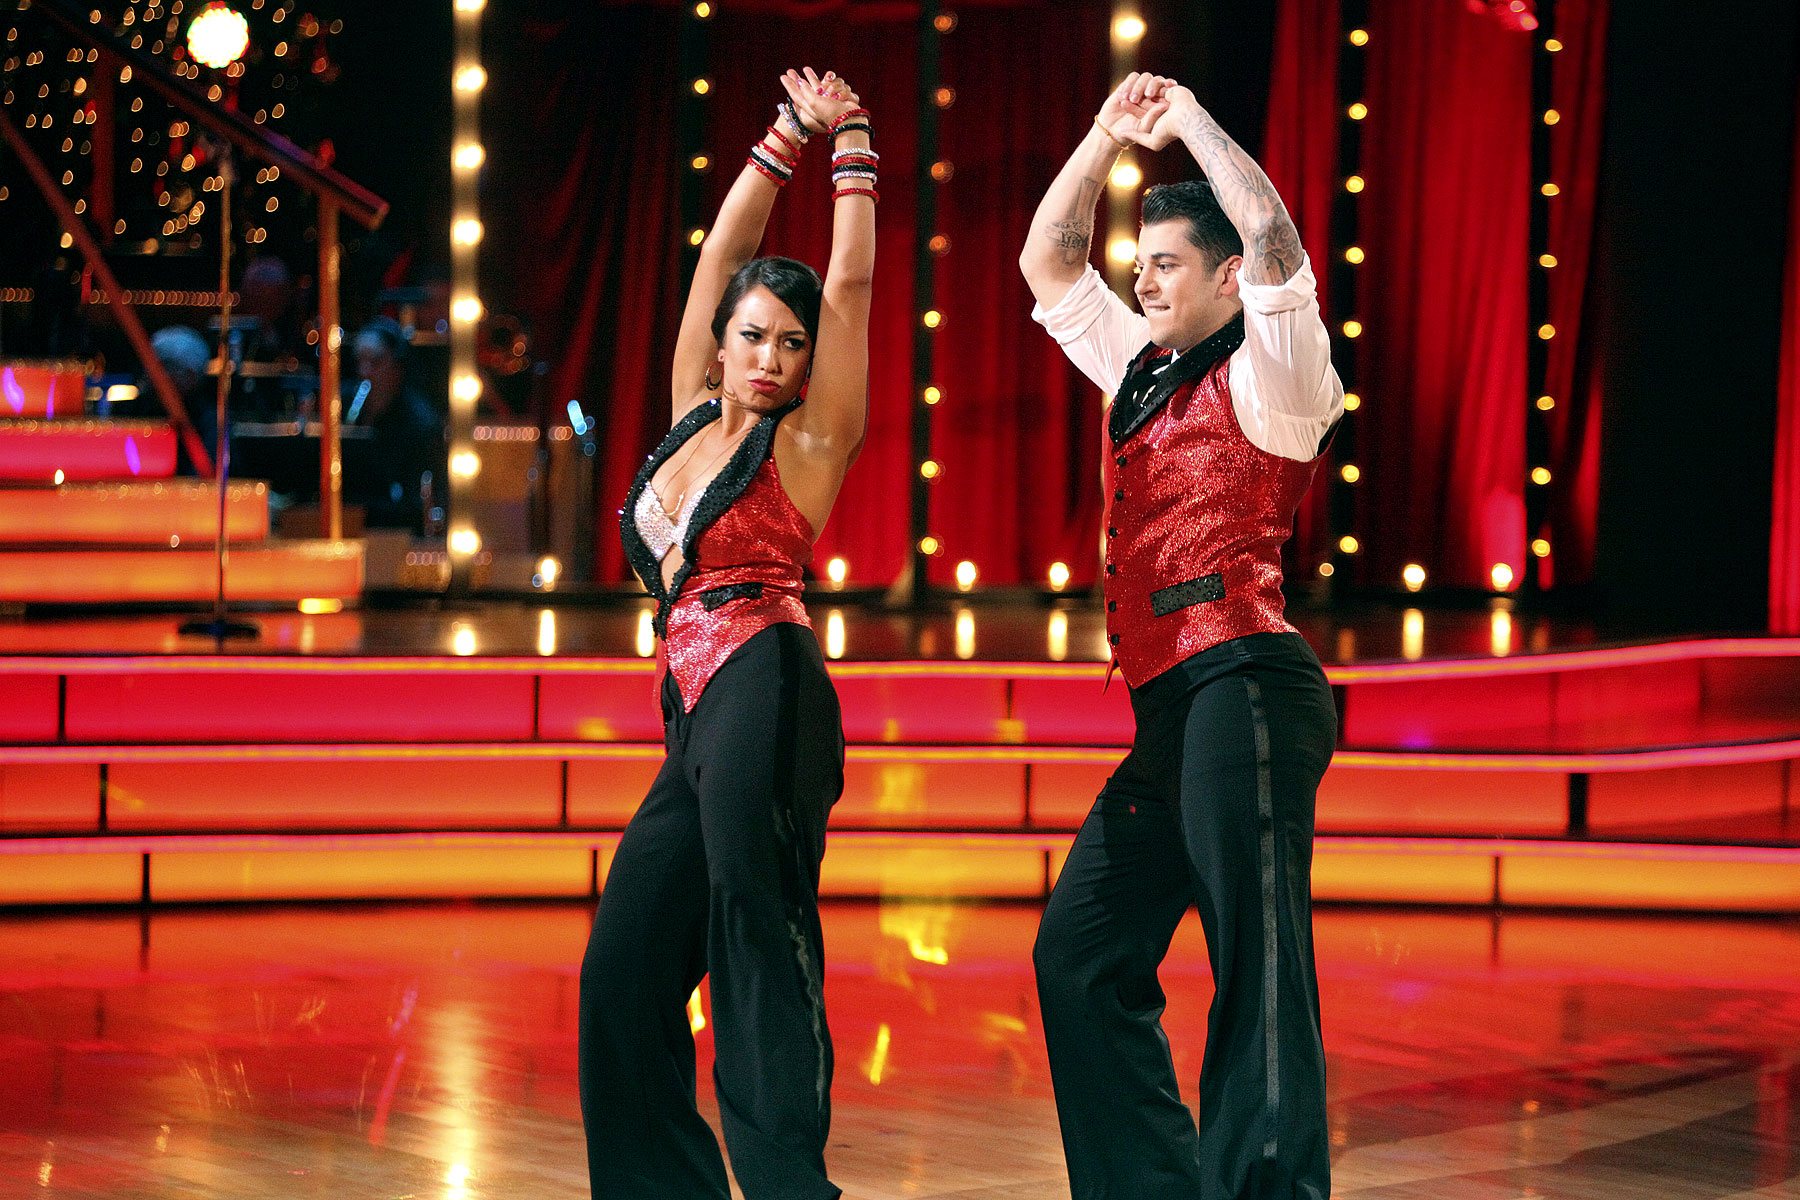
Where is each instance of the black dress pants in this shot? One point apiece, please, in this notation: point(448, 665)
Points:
point(1213, 807)
point(718, 873)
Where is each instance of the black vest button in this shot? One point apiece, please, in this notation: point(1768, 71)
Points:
point(1112, 638)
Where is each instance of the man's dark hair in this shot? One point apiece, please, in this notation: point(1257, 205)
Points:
point(1193, 201)
point(794, 283)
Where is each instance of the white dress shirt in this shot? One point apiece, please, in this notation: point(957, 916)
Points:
point(1284, 390)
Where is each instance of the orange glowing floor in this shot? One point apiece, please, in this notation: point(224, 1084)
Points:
point(429, 1052)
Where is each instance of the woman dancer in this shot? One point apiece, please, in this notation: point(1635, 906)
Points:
point(718, 873)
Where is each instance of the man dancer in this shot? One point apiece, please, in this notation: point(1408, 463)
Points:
point(1225, 395)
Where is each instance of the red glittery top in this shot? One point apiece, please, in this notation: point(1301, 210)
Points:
point(744, 550)
point(747, 576)
point(1195, 518)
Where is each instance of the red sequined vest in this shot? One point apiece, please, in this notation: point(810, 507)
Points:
point(743, 555)
point(1195, 517)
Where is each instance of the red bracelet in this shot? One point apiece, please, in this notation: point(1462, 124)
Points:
point(845, 116)
point(782, 138)
point(871, 193)
point(787, 160)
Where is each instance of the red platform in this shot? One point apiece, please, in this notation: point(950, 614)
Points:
point(341, 757)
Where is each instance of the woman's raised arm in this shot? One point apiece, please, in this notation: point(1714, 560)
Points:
point(835, 415)
point(730, 244)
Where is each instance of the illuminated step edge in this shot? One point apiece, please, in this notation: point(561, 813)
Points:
point(163, 513)
point(276, 572)
point(34, 451)
point(1378, 672)
point(1440, 871)
point(1401, 760)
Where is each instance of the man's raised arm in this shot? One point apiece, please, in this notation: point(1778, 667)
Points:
point(1062, 229)
point(1272, 250)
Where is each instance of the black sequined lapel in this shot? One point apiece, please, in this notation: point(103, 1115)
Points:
point(643, 563)
point(1144, 391)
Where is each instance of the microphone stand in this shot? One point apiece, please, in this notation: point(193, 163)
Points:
point(219, 626)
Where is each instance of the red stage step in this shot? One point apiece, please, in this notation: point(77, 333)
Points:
point(42, 388)
point(164, 512)
point(81, 449)
point(962, 777)
point(274, 572)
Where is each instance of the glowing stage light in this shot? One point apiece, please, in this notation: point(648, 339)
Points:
point(218, 36)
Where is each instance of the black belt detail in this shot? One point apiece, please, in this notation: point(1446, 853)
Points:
point(719, 597)
point(1203, 590)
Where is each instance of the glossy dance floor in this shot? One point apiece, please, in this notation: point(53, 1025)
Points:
point(429, 1052)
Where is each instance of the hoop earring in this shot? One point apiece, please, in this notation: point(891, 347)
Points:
point(713, 385)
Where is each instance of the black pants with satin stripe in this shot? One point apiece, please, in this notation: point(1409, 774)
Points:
point(1213, 807)
point(718, 874)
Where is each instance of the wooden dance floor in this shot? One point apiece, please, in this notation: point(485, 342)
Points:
point(428, 1051)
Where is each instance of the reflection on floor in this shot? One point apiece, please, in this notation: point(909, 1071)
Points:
point(428, 1051)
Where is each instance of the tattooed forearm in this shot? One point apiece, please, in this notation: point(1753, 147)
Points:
point(1073, 234)
point(1271, 243)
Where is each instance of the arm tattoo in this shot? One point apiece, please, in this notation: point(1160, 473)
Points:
point(1272, 250)
point(1075, 232)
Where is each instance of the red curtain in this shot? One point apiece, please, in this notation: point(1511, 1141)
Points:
point(593, 253)
point(582, 238)
point(875, 47)
point(1300, 155)
point(1784, 541)
point(1443, 293)
point(1571, 378)
point(1018, 429)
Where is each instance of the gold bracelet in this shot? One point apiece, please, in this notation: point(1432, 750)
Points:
point(1123, 145)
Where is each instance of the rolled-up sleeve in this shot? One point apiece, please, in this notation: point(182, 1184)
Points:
point(1284, 389)
point(1097, 330)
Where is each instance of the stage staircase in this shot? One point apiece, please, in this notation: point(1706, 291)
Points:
point(92, 512)
point(1637, 777)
